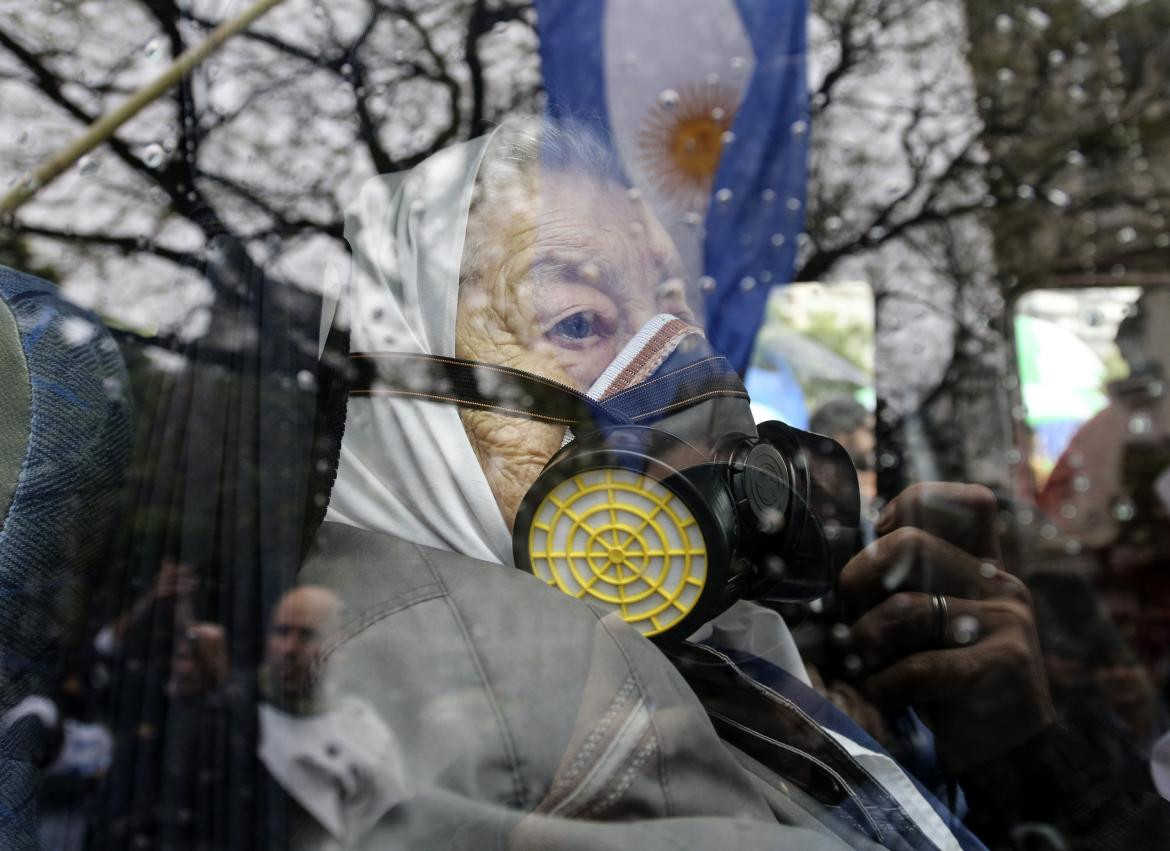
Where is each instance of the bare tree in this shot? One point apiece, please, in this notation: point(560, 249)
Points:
point(250, 162)
point(1024, 142)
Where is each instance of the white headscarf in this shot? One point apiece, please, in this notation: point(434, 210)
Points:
point(406, 466)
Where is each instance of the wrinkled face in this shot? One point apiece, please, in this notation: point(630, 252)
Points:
point(563, 279)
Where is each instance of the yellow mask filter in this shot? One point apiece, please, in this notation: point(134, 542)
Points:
point(623, 540)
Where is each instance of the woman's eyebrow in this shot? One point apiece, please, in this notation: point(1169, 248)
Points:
point(575, 266)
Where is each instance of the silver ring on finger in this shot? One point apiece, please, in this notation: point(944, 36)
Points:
point(941, 617)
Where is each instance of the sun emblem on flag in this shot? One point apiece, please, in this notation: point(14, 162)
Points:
point(682, 139)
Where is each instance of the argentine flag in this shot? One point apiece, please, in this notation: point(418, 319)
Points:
point(707, 105)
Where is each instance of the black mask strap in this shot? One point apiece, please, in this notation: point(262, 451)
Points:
point(465, 383)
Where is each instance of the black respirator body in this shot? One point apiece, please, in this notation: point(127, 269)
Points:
point(667, 503)
point(692, 506)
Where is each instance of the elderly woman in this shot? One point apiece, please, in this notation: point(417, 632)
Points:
point(522, 717)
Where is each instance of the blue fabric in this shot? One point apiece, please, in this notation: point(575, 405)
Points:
point(571, 61)
point(751, 238)
point(78, 445)
point(826, 714)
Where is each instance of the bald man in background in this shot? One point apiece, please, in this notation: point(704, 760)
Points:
point(304, 620)
point(329, 750)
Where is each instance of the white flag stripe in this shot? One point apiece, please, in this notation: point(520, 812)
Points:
point(685, 47)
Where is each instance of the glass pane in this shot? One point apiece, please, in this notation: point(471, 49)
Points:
point(565, 423)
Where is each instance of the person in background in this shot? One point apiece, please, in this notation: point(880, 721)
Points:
point(330, 752)
point(851, 424)
point(305, 618)
point(176, 732)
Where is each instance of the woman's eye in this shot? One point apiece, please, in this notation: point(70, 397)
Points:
point(579, 326)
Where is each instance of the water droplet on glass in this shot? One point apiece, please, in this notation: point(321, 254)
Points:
point(88, 165)
point(1140, 424)
point(153, 47)
point(77, 331)
point(747, 284)
point(306, 380)
point(712, 79)
point(793, 204)
point(1004, 23)
point(1005, 75)
point(724, 195)
point(718, 113)
point(839, 633)
point(1058, 198)
point(1048, 532)
point(1056, 57)
point(1081, 484)
point(1025, 192)
point(738, 63)
point(634, 194)
point(799, 128)
point(1024, 517)
point(771, 521)
point(965, 630)
point(153, 156)
point(1126, 235)
point(727, 137)
point(693, 219)
point(706, 284)
point(778, 239)
point(1123, 510)
point(668, 99)
point(1038, 18)
point(768, 196)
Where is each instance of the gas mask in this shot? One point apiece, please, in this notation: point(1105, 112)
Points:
point(666, 503)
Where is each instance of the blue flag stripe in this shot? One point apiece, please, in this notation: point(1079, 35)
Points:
point(766, 169)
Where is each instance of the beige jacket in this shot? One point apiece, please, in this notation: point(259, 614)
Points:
point(524, 719)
